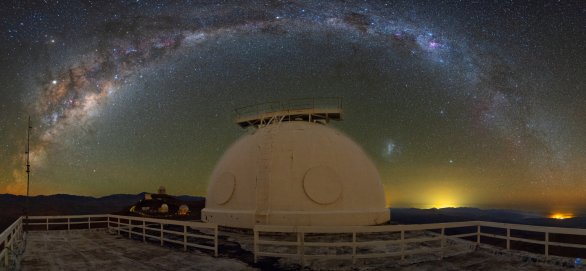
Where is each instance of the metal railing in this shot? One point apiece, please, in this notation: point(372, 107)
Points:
point(8, 240)
point(438, 238)
point(308, 242)
point(71, 221)
point(547, 233)
point(358, 239)
point(325, 103)
point(189, 234)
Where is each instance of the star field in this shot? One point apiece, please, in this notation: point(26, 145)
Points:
point(457, 103)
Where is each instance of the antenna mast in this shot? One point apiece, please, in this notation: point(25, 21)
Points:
point(28, 166)
point(28, 163)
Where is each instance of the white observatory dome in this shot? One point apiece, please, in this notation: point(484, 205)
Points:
point(295, 173)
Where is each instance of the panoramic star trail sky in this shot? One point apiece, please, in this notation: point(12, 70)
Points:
point(472, 103)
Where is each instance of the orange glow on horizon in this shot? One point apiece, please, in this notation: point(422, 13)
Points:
point(444, 195)
point(561, 215)
point(443, 198)
point(441, 205)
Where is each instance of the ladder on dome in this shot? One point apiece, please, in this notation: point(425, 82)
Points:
point(307, 109)
point(263, 179)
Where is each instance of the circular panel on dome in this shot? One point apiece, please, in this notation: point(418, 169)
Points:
point(224, 188)
point(321, 185)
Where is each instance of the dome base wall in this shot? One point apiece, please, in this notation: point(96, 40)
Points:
point(246, 218)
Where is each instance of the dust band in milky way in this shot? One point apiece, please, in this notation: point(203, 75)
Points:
point(71, 98)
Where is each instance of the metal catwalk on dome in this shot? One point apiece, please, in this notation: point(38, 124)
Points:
point(308, 109)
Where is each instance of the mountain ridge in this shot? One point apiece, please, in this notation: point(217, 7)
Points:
point(12, 207)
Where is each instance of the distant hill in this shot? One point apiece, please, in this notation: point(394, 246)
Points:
point(12, 206)
point(423, 216)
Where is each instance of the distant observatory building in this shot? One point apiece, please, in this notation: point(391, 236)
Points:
point(294, 170)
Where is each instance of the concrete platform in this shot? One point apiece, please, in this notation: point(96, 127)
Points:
point(98, 250)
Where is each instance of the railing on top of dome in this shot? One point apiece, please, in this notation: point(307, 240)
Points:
point(324, 108)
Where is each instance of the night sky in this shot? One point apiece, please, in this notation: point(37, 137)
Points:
point(472, 103)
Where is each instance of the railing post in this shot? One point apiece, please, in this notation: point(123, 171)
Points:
point(143, 231)
point(15, 231)
point(299, 256)
point(6, 252)
point(216, 240)
point(118, 226)
point(129, 228)
point(547, 245)
point(354, 247)
point(47, 221)
point(302, 249)
point(6, 257)
point(256, 244)
point(68, 224)
point(11, 242)
point(402, 244)
point(478, 234)
point(108, 222)
point(442, 242)
point(89, 222)
point(161, 234)
point(508, 238)
point(184, 238)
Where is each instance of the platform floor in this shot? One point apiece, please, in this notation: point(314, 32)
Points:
point(98, 250)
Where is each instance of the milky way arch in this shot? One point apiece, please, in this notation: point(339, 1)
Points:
point(494, 92)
